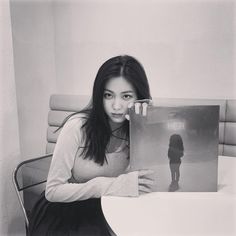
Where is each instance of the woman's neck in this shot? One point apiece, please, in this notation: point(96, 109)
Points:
point(115, 126)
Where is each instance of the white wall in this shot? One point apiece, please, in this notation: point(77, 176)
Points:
point(34, 55)
point(187, 47)
point(11, 217)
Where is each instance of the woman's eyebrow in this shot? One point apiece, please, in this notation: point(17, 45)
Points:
point(108, 90)
point(128, 91)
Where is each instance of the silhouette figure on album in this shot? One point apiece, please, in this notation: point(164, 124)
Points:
point(175, 152)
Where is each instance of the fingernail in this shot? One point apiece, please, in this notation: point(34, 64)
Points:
point(144, 109)
point(127, 117)
point(137, 108)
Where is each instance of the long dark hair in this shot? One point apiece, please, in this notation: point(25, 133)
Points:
point(96, 126)
point(176, 146)
point(176, 141)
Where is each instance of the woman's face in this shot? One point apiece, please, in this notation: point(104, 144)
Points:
point(118, 94)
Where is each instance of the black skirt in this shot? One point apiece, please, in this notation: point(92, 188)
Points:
point(83, 218)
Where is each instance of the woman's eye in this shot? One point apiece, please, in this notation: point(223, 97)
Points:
point(107, 95)
point(127, 96)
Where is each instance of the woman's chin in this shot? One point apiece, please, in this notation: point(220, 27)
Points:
point(117, 120)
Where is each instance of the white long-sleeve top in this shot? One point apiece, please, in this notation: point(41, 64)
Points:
point(73, 178)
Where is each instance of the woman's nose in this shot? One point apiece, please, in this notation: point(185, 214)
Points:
point(117, 104)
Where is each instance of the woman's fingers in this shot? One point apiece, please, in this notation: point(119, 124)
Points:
point(143, 173)
point(140, 107)
point(145, 181)
point(127, 117)
point(130, 105)
point(145, 106)
point(144, 189)
point(137, 107)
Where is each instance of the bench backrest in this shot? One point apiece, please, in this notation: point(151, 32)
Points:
point(61, 105)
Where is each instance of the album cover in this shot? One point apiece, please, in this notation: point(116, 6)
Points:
point(180, 144)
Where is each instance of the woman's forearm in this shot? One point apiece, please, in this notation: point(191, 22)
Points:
point(123, 185)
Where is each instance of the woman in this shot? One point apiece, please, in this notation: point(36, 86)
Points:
point(91, 157)
point(175, 152)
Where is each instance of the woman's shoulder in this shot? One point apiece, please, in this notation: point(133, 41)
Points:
point(78, 116)
point(76, 120)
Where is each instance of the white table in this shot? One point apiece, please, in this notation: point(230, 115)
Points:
point(178, 213)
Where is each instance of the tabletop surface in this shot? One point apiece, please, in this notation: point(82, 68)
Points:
point(178, 213)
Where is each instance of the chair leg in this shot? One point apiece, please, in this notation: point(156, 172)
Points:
point(27, 230)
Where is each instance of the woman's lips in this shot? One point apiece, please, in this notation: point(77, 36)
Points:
point(117, 115)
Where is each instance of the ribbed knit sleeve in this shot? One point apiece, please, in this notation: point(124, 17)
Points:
point(58, 188)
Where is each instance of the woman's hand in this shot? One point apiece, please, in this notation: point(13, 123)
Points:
point(140, 107)
point(145, 181)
